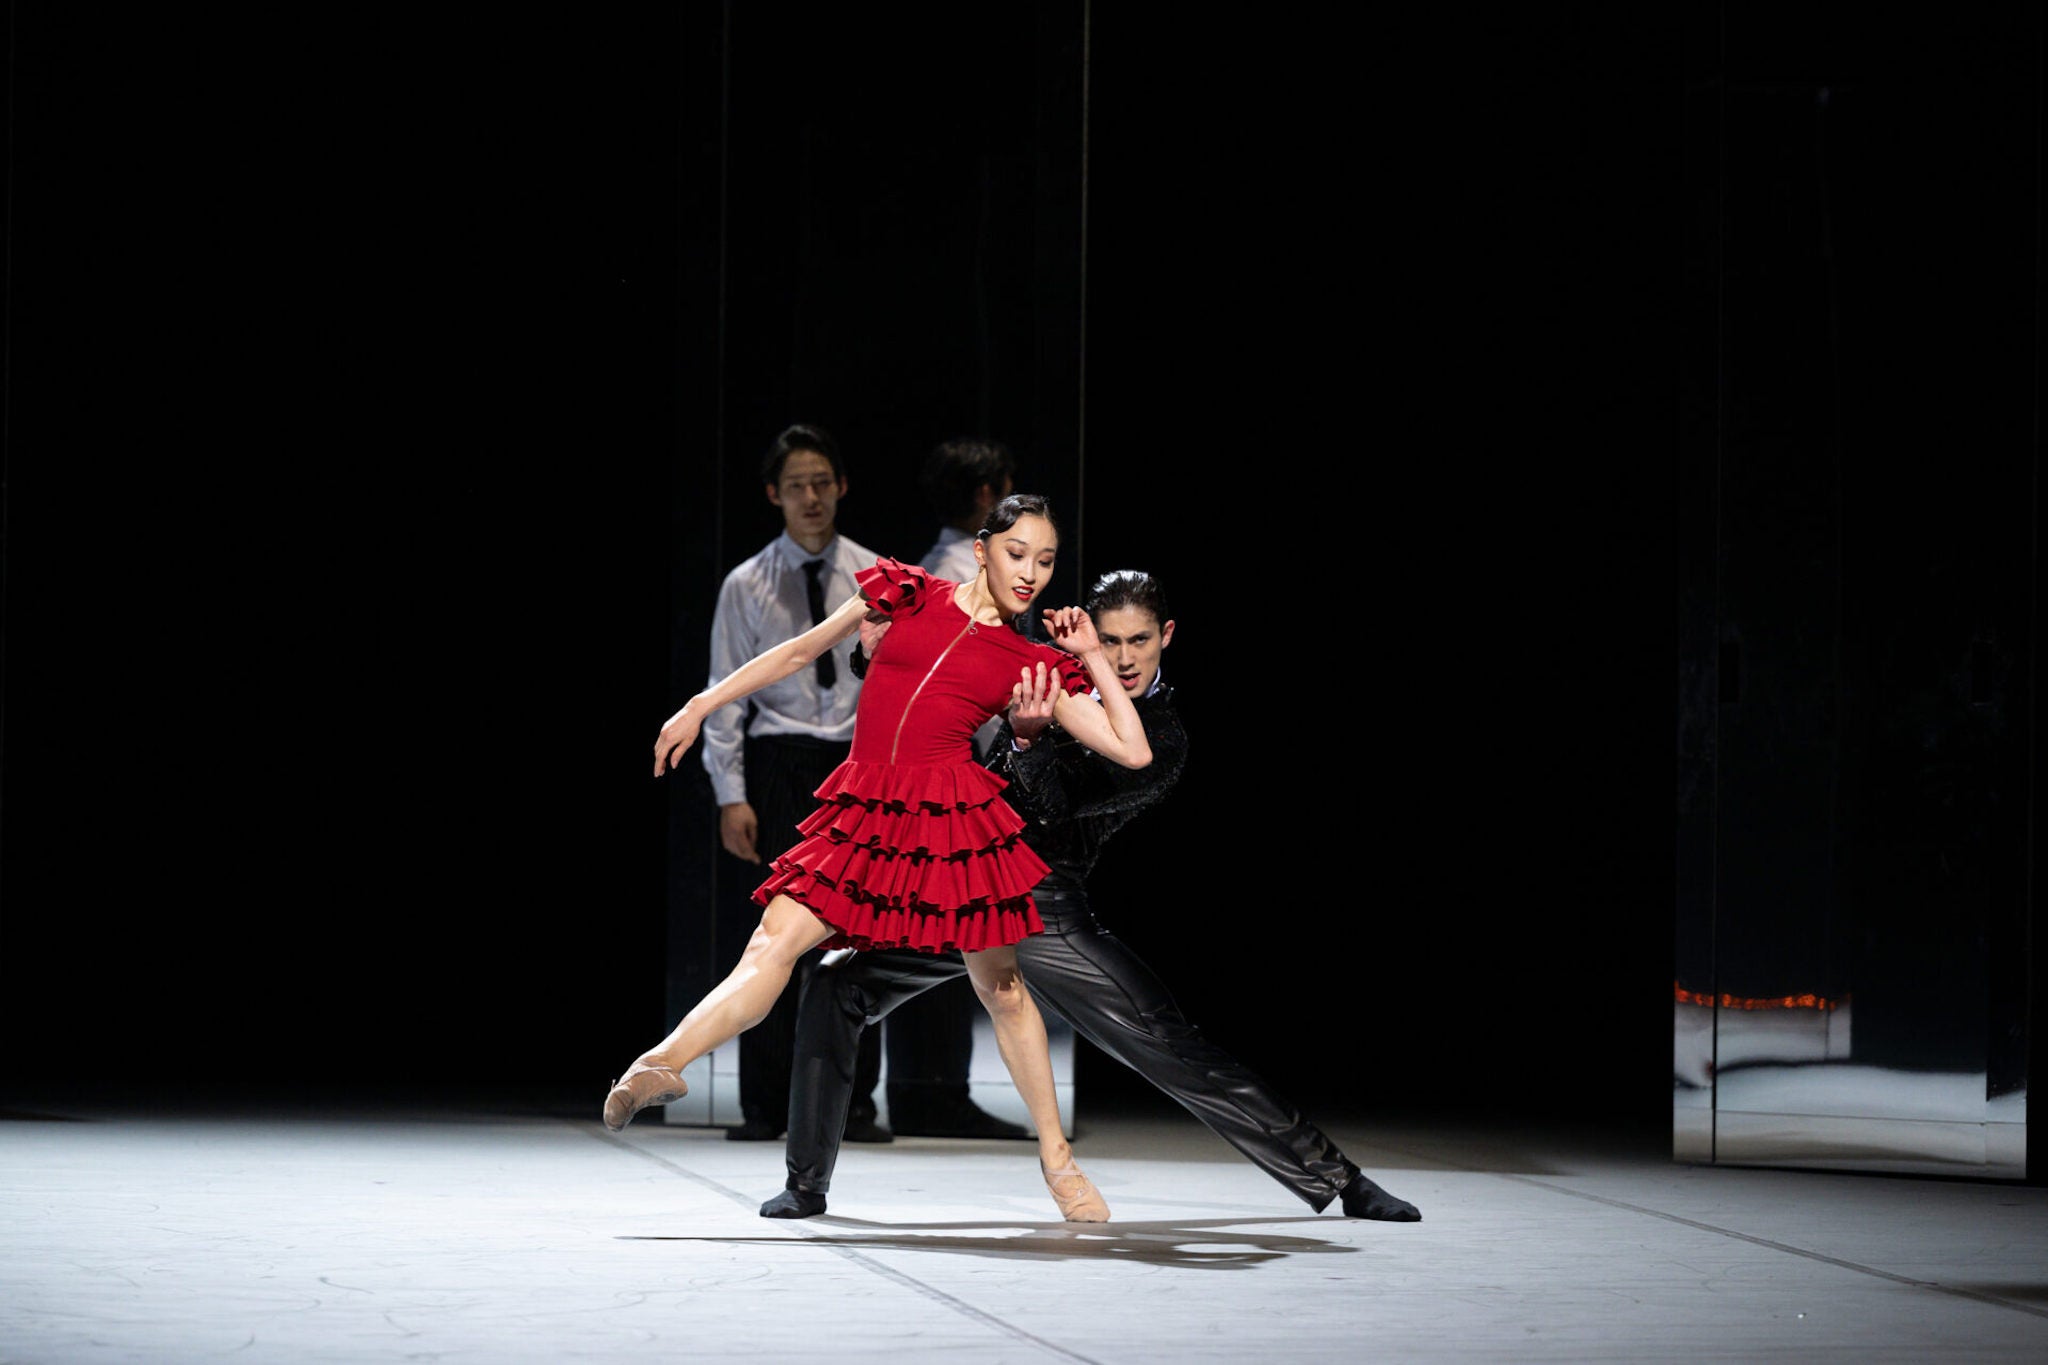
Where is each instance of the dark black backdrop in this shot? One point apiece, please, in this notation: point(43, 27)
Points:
point(359, 368)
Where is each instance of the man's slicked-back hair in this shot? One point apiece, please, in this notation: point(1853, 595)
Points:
point(1121, 588)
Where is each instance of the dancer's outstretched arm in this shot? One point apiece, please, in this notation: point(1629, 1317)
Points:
point(772, 665)
point(1111, 726)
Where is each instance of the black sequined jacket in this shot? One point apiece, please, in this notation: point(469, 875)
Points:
point(1074, 799)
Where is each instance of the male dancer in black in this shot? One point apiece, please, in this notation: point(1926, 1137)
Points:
point(1074, 801)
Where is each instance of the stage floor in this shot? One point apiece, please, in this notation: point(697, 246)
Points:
point(474, 1236)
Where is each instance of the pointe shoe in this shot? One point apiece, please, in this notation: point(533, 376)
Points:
point(627, 1099)
point(1075, 1193)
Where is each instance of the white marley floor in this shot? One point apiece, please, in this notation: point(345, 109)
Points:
point(482, 1237)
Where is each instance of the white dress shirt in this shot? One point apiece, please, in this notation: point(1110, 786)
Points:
point(762, 603)
point(951, 556)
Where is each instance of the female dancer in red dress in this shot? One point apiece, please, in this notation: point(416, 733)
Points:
point(913, 845)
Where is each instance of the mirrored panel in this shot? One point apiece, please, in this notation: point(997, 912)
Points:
point(1856, 611)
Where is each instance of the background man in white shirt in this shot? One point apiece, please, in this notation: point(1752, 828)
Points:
point(766, 759)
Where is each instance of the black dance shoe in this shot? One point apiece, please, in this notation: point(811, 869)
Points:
point(755, 1130)
point(794, 1204)
point(861, 1126)
point(953, 1119)
point(1363, 1199)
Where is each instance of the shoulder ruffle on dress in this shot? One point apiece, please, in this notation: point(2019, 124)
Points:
point(892, 587)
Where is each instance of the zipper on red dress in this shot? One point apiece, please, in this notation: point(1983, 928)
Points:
point(897, 740)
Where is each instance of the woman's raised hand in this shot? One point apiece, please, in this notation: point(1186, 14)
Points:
point(675, 739)
point(1031, 701)
point(1071, 629)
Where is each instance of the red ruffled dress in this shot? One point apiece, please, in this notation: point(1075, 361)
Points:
point(914, 846)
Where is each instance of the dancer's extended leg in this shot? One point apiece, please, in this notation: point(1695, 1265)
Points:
point(1093, 979)
point(1020, 1037)
point(786, 932)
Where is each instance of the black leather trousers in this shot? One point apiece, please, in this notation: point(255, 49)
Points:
point(1087, 976)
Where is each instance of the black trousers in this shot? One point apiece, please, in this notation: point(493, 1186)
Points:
point(930, 1055)
point(782, 775)
point(1091, 979)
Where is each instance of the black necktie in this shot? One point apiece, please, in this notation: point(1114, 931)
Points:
point(828, 670)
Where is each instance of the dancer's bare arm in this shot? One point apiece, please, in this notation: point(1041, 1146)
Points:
point(1111, 726)
point(772, 665)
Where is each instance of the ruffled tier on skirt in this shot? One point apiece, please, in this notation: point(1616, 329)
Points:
point(912, 856)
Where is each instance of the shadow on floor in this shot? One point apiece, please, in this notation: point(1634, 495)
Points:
point(1197, 1244)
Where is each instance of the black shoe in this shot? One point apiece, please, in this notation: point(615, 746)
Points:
point(1363, 1199)
point(863, 1128)
point(794, 1204)
point(755, 1130)
point(954, 1119)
